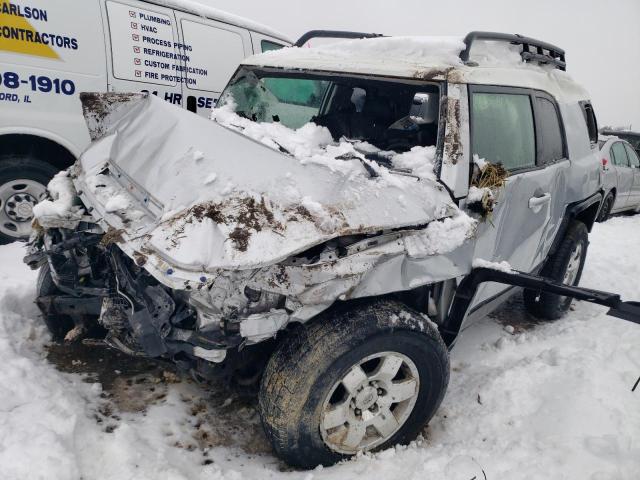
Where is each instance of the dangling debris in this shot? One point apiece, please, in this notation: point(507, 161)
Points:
point(486, 180)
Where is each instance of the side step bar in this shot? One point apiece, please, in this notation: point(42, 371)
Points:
point(629, 311)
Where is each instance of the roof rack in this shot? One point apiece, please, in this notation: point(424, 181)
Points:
point(333, 34)
point(532, 50)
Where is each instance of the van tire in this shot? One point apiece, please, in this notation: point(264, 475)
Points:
point(304, 370)
point(20, 167)
point(549, 306)
point(58, 325)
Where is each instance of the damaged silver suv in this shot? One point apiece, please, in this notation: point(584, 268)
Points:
point(327, 234)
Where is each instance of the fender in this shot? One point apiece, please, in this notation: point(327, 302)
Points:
point(585, 210)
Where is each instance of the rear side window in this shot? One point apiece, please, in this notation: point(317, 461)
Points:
point(619, 155)
point(267, 46)
point(592, 123)
point(503, 129)
point(550, 139)
point(633, 157)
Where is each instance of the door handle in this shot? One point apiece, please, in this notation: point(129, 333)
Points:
point(536, 203)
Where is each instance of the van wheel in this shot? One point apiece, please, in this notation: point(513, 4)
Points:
point(58, 325)
point(607, 206)
point(358, 379)
point(23, 183)
point(564, 266)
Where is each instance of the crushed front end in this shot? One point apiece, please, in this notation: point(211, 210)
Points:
point(184, 240)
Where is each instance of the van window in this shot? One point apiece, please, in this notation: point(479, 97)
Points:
point(503, 130)
point(551, 145)
point(619, 155)
point(143, 45)
point(633, 157)
point(213, 55)
point(267, 46)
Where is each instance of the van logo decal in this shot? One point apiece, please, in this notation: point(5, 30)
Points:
point(18, 35)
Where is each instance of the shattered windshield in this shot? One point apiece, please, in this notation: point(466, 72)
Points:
point(388, 114)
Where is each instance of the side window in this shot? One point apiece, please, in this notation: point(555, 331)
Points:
point(550, 139)
point(267, 46)
point(633, 157)
point(619, 155)
point(592, 123)
point(143, 45)
point(212, 55)
point(503, 129)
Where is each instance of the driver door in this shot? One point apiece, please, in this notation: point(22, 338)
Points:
point(520, 129)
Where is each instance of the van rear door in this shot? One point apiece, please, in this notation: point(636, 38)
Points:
point(213, 51)
point(144, 50)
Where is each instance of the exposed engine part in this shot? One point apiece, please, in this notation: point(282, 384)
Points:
point(215, 356)
point(261, 326)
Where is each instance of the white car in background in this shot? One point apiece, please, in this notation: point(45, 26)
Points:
point(178, 50)
point(621, 177)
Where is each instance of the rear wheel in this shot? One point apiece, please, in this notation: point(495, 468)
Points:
point(564, 266)
point(23, 183)
point(607, 206)
point(358, 380)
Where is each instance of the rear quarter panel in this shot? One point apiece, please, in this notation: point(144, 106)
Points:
point(585, 175)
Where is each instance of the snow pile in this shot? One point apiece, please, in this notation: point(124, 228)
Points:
point(477, 194)
point(114, 199)
point(420, 160)
point(62, 204)
point(314, 144)
point(555, 396)
point(401, 52)
point(441, 236)
point(503, 266)
point(481, 163)
point(117, 203)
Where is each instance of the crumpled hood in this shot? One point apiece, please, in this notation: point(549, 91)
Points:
point(199, 196)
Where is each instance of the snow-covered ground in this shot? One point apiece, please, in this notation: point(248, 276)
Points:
point(526, 400)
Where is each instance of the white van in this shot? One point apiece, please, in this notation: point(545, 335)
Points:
point(179, 50)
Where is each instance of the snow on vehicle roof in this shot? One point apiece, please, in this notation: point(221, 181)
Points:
point(393, 55)
point(426, 58)
point(212, 13)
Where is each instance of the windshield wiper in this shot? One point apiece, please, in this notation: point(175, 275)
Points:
point(350, 156)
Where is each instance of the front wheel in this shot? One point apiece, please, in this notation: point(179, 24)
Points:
point(564, 266)
point(360, 380)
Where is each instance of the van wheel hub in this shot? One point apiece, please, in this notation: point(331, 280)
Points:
point(17, 199)
point(20, 207)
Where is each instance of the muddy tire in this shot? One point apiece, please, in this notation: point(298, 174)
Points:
point(58, 325)
point(607, 206)
point(378, 371)
point(23, 183)
point(564, 266)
